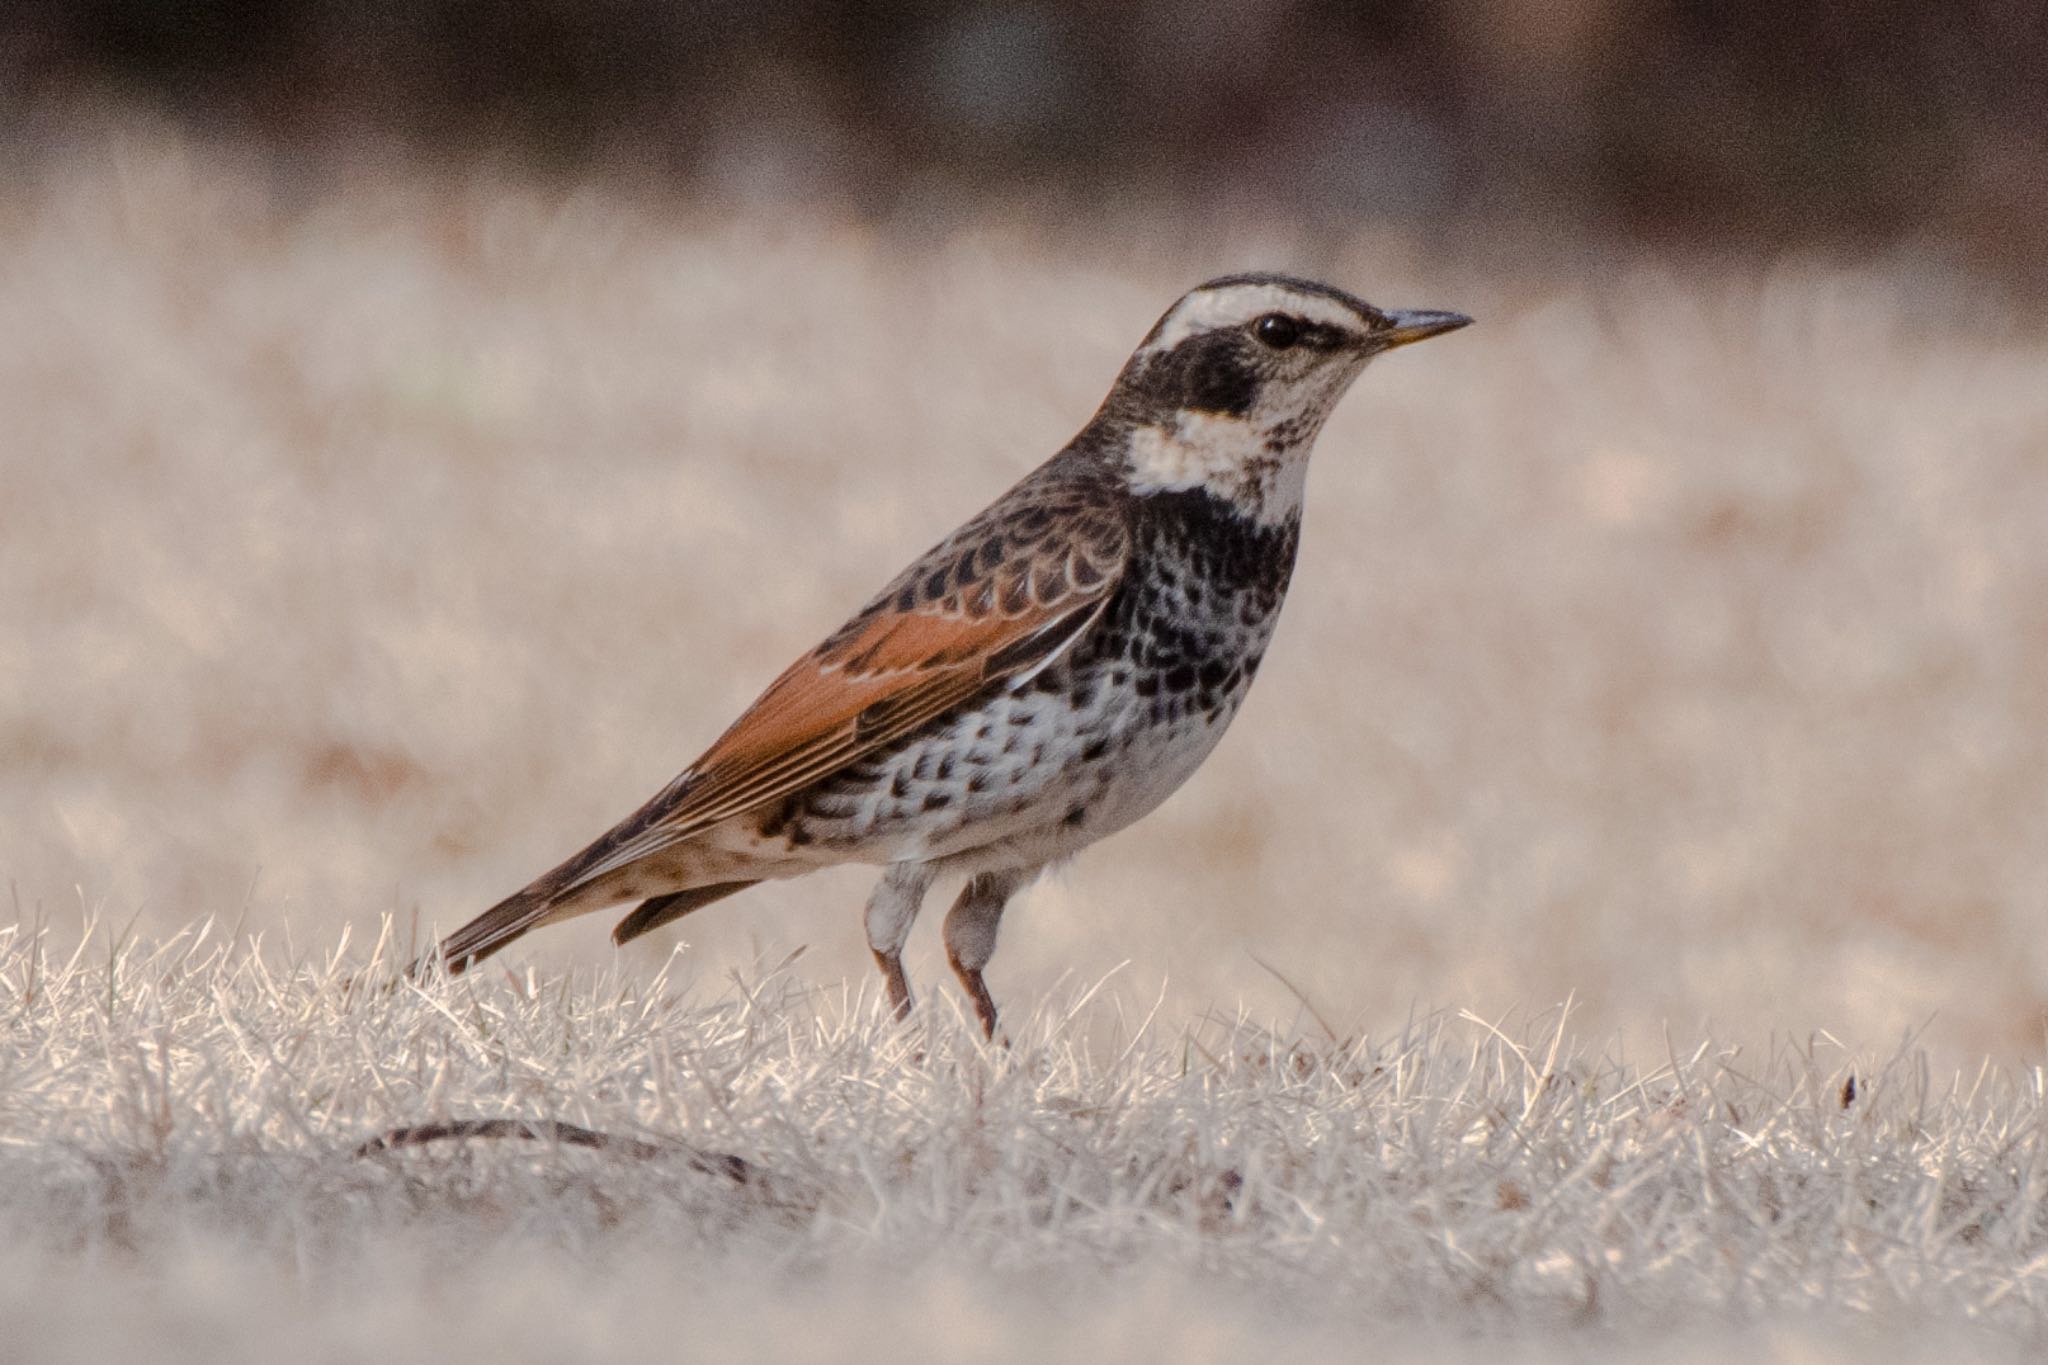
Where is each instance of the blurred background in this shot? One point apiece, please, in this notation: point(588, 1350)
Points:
point(422, 426)
point(1745, 121)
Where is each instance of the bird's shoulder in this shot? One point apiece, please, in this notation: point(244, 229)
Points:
point(1059, 536)
point(992, 603)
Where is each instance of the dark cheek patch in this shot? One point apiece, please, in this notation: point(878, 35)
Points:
point(1206, 373)
point(1220, 380)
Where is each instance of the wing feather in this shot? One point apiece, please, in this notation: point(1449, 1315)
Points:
point(998, 601)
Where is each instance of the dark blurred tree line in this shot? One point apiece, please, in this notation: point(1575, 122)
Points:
point(1830, 120)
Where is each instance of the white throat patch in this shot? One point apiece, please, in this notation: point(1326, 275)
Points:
point(1225, 456)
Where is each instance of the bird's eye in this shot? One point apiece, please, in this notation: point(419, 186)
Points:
point(1277, 330)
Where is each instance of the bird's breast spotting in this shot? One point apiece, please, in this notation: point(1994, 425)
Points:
point(1093, 742)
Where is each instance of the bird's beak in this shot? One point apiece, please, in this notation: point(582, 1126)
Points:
point(1416, 325)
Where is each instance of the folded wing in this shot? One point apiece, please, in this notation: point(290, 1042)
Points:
point(989, 607)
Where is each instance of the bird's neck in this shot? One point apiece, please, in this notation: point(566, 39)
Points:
point(1242, 566)
point(1260, 468)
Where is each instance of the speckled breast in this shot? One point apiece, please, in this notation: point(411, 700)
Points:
point(1094, 741)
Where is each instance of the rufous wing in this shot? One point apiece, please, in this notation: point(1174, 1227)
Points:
point(991, 605)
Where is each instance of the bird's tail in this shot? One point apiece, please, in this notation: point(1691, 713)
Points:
point(534, 906)
point(652, 914)
point(488, 932)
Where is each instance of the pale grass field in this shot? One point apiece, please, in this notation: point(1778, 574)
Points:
point(1675, 640)
point(181, 1175)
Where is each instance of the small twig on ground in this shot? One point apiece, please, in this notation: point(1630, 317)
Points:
point(736, 1169)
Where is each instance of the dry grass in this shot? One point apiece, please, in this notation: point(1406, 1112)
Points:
point(1678, 637)
point(184, 1115)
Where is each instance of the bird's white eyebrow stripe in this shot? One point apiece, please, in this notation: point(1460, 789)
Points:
point(1206, 310)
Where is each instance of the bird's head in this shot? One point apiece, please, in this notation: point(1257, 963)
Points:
point(1230, 388)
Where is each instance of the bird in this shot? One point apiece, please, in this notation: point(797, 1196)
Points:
point(1041, 678)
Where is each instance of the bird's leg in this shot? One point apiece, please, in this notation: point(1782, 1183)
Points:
point(971, 935)
point(891, 909)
